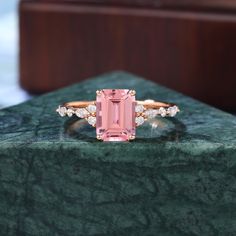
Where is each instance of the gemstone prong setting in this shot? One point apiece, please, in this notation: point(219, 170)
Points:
point(99, 92)
point(131, 137)
point(132, 92)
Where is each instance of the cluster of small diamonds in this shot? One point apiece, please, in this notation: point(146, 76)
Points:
point(88, 113)
point(143, 114)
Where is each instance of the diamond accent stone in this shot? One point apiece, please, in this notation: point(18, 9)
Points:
point(91, 108)
point(162, 111)
point(81, 112)
point(172, 111)
point(62, 111)
point(139, 108)
point(139, 120)
point(150, 113)
point(92, 120)
point(70, 112)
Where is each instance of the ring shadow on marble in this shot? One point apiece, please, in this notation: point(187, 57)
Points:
point(79, 129)
point(155, 130)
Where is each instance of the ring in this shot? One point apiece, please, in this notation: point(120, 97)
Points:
point(116, 113)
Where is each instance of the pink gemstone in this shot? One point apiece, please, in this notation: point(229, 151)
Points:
point(115, 115)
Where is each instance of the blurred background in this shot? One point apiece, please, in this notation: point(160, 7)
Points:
point(10, 91)
point(187, 45)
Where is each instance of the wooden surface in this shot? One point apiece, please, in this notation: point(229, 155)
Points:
point(181, 4)
point(193, 52)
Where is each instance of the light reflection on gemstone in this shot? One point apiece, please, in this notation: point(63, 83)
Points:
point(61, 111)
point(162, 111)
point(81, 112)
point(91, 108)
point(139, 108)
point(70, 112)
point(92, 120)
point(139, 120)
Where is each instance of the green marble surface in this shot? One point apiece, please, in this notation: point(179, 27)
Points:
point(177, 179)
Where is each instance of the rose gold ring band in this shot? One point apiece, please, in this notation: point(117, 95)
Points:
point(149, 104)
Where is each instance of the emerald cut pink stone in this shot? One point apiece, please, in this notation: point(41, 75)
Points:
point(115, 115)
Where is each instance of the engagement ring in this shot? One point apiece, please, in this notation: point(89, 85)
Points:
point(116, 113)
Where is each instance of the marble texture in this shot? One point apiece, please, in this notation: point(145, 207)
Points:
point(177, 179)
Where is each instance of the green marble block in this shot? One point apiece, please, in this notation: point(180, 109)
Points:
point(178, 178)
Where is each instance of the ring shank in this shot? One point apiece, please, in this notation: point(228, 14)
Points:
point(154, 104)
point(78, 104)
point(147, 104)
